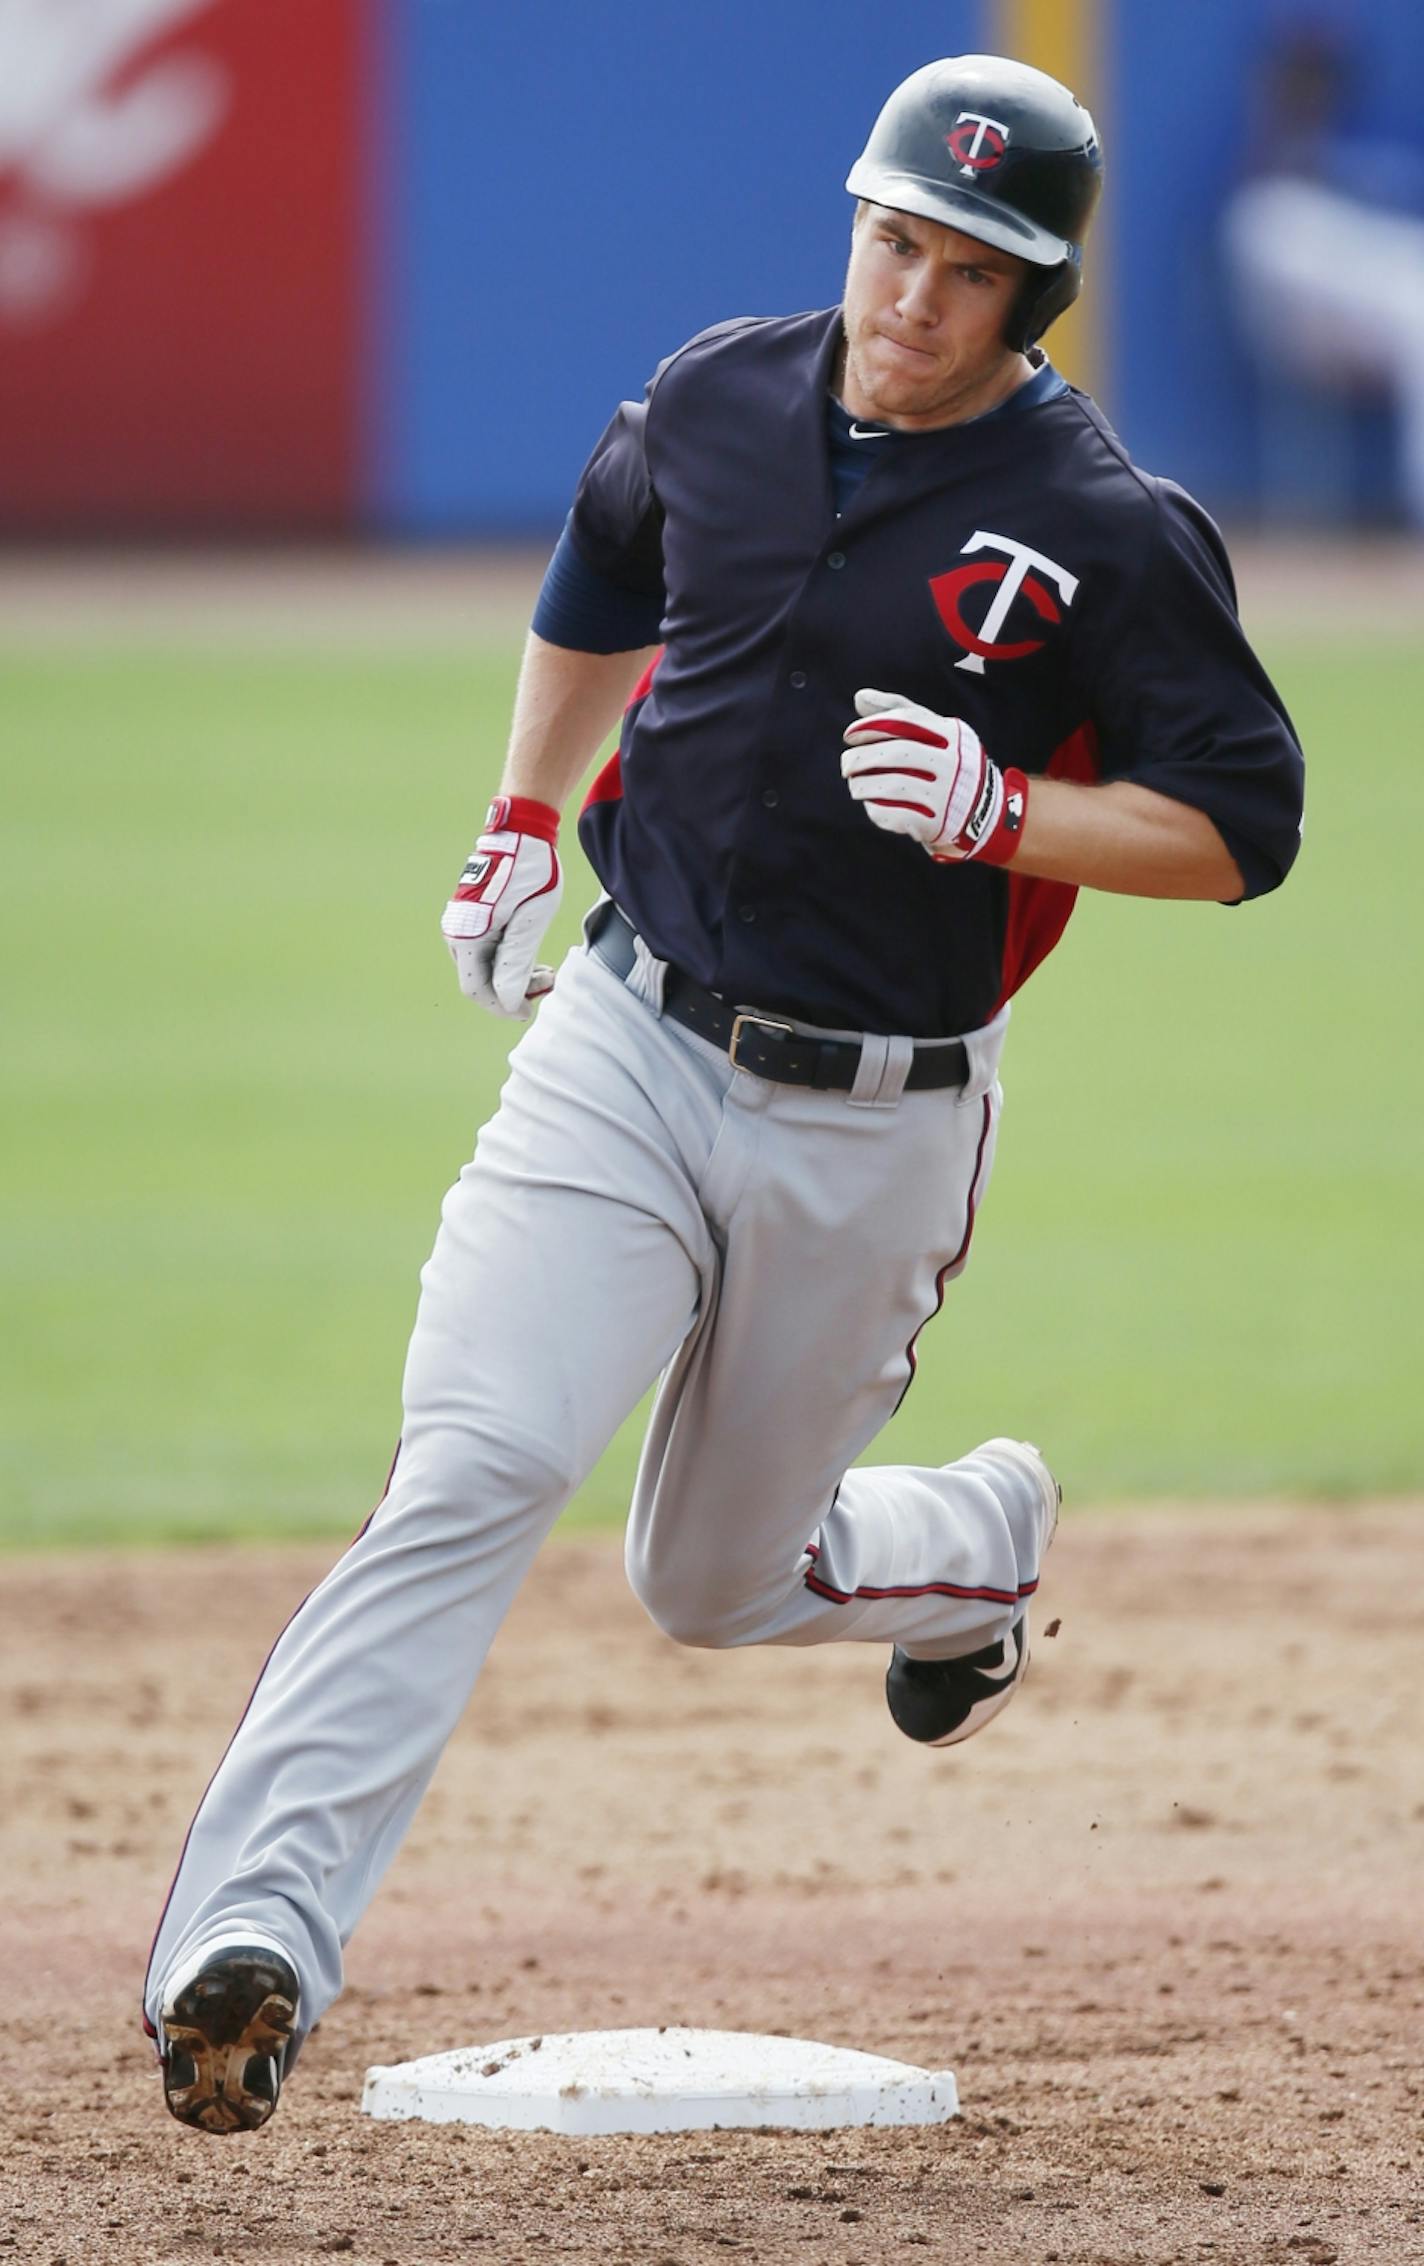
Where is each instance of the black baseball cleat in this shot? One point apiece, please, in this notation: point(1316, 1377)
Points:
point(940, 1702)
point(224, 2032)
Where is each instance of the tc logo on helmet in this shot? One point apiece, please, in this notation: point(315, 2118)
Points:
point(1014, 577)
point(977, 143)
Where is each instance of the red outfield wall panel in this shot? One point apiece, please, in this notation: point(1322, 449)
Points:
point(179, 222)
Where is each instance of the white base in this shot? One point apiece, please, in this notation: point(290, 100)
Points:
point(589, 2081)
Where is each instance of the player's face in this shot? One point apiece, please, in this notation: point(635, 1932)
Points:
point(925, 310)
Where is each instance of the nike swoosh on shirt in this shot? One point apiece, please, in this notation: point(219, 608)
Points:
point(869, 432)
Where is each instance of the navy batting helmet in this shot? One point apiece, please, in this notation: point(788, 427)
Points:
point(1001, 152)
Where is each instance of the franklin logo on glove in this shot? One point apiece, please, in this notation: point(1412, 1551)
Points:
point(930, 777)
point(507, 896)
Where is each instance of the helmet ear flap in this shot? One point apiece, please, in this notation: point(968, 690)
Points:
point(1044, 297)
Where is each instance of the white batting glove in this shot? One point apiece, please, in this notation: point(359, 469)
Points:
point(508, 894)
point(929, 776)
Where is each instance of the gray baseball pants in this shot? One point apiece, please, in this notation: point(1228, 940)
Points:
point(636, 1207)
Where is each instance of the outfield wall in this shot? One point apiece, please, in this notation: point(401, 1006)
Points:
point(384, 265)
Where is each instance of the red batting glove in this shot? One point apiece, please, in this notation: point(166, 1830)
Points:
point(928, 776)
point(508, 894)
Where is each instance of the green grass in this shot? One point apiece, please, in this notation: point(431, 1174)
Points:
point(238, 1076)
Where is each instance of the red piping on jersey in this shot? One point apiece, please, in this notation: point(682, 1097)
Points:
point(1039, 911)
point(168, 1899)
point(608, 783)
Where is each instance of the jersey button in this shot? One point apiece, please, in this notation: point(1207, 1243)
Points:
point(835, 559)
point(770, 797)
point(799, 680)
point(746, 912)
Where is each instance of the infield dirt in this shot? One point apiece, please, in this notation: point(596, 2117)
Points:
point(1162, 1919)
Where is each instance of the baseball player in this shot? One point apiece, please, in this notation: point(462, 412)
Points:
point(913, 653)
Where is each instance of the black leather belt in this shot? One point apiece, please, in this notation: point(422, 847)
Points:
point(768, 1045)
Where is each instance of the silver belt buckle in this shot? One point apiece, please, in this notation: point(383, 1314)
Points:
point(758, 1023)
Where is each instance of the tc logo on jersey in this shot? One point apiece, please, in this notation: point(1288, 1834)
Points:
point(1020, 574)
point(977, 143)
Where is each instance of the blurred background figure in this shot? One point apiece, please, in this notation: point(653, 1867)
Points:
point(1324, 246)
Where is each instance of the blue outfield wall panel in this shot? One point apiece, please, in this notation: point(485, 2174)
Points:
point(1181, 124)
point(558, 199)
point(378, 403)
point(1177, 128)
point(566, 194)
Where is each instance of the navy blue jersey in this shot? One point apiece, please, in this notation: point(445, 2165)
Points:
point(1015, 571)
